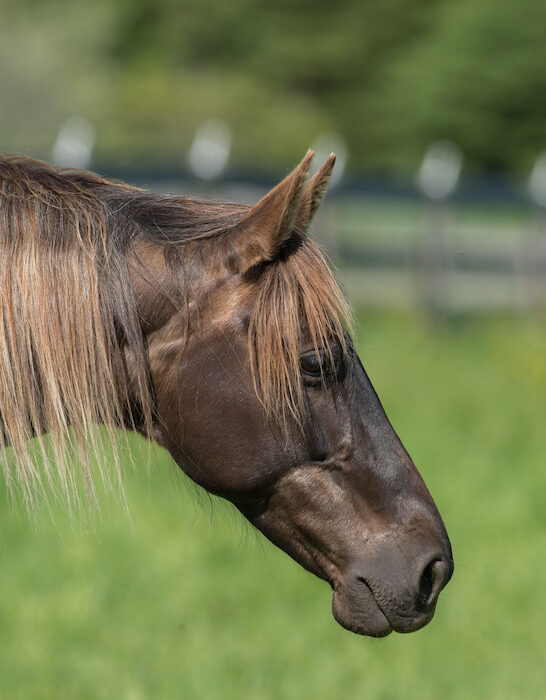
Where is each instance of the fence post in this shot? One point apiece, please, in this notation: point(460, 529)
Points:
point(74, 144)
point(437, 179)
point(536, 247)
point(326, 222)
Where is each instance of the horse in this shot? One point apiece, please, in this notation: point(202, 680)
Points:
point(218, 331)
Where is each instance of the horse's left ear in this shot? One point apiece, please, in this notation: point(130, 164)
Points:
point(313, 193)
point(269, 223)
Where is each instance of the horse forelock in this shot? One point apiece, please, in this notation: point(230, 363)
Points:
point(299, 304)
point(67, 308)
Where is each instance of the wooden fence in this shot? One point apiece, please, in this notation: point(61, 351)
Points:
point(401, 253)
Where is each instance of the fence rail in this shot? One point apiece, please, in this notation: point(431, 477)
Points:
point(396, 252)
point(436, 263)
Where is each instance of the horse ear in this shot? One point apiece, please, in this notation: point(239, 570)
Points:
point(269, 223)
point(313, 193)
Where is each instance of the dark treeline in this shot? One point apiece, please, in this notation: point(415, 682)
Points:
point(388, 75)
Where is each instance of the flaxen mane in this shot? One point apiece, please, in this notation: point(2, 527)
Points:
point(68, 316)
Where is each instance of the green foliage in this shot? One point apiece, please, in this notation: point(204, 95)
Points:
point(183, 600)
point(476, 79)
point(389, 75)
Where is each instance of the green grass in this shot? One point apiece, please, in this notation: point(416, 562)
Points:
point(182, 600)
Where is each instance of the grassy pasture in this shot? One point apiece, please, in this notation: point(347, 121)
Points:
point(182, 600)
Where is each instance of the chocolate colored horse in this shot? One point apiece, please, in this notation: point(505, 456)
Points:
point(219, 331)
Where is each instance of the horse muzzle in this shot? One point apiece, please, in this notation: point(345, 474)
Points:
point(367, 602)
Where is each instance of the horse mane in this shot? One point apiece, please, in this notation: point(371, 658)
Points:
point(68, 316)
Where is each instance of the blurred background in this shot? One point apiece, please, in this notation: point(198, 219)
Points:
point(436, 221)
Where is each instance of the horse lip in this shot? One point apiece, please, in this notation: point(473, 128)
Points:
point(398, 622)
point(368, 586)
point(373, 619)
point(367, 619)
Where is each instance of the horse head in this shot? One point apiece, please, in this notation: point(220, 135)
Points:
point(261, 398)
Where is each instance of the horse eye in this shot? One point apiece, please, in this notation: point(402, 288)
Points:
point(311, 364)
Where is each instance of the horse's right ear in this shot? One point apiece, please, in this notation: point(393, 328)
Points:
point(313, 193)
point(269, 223)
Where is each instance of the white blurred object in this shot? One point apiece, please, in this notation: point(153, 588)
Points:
point(440, 170)
point(74, 145)
point(537, 181)
point(210, 150)
point(324, 145)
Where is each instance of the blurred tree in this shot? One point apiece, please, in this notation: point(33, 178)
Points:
point(479, 79)
point(390, 75)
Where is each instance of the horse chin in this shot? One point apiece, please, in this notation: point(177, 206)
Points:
point(362, 616)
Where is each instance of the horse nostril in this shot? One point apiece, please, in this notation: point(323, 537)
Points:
point(434, 577)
